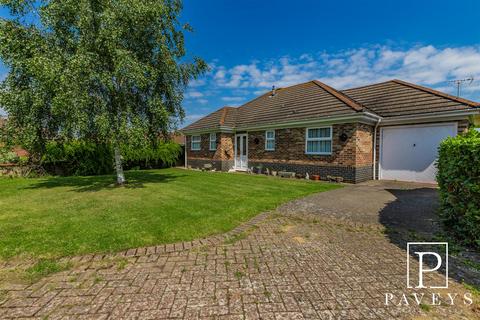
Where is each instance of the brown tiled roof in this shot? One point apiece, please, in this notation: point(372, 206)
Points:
point(314, 99)
point(304, 101)
point(352, 103)
point(399, 98)
point(222, 117)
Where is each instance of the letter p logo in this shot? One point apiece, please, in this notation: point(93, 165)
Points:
point(431, 256)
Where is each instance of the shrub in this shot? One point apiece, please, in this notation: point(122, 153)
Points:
point(8, 156)
point(78, 157)
point(83, 158)
point(163, 155)
point(459, 181)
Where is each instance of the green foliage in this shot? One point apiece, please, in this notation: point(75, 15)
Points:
point(43, 268)
point(103, 70)
point(8, 156)
point(83, 158)
point(148, 156)
point(78, 157)
point(459, 181)
point(23, 160)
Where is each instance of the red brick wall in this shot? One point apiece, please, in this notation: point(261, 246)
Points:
point(224, 147)
point(290, 146)
point(364, 145)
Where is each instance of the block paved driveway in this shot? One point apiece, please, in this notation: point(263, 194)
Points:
point(327, 256)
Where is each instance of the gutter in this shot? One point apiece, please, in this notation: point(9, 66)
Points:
point(185, 150)
point(375, 149)
point(431, 117)
point(365, 117)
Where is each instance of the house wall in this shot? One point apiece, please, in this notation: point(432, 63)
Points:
point(221, 159)
point(350, 159)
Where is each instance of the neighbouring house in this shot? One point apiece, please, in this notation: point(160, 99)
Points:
point(178, 137)
point(389, 130)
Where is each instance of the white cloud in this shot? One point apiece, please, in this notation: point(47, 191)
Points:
point(233, 99)
point(427, 65)
point(193, 94)
point(424, 65)
point(192, 118)
point(2, 112)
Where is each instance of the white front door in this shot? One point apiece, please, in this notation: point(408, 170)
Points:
point(409, 153)
point(241, 153)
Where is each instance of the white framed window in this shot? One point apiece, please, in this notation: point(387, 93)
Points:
point(319, 141)
point(195, 144)
point(270, 140)
point(213, 141)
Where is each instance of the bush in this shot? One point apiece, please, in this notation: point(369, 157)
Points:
point(78, 158)
point(85, 158)
point(163, 155)
point(8, 156)
point(459, 181)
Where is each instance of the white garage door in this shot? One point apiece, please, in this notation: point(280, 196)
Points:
point(408, 153)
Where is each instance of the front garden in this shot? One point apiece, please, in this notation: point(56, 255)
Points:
point(51, 217)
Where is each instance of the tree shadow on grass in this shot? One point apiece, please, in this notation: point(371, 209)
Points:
point(412, 217)
point(135, 180)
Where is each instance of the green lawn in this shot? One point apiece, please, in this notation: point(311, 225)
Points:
point(58, 216)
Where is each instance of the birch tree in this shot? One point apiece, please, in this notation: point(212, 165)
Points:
point(105, 70)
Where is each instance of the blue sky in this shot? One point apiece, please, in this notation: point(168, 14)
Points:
point(252, 45)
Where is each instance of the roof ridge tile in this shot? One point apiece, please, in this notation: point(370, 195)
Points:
point(340, 96)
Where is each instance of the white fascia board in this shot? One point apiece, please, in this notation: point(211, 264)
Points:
point(430, 117)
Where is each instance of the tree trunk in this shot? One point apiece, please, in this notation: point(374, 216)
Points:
point(118, 166)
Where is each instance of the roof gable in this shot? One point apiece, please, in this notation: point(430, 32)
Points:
point(222, 117)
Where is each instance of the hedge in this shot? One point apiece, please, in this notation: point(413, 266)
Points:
point(459, 181)
point(148, 157)
point(77, 158)
point(83, 158)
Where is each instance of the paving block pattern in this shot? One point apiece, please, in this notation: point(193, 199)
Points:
point(278, 266)
point(283, 268)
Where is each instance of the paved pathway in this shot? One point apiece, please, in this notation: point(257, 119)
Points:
point(324, 257)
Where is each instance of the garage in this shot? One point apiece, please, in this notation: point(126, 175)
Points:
point(408, 153)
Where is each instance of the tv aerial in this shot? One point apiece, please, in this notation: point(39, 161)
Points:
point(460, 82)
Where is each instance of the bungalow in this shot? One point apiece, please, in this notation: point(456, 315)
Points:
point(389, 130)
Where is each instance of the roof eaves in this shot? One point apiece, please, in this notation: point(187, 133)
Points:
point(340, 96)
point(438, 93)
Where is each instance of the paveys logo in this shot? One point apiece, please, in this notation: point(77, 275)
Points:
point(427, 278)
point(432, 257)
